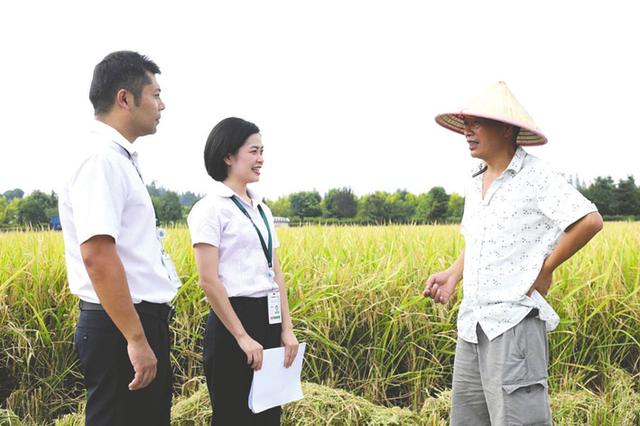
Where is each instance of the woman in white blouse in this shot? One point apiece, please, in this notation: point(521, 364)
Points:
point(234, 241)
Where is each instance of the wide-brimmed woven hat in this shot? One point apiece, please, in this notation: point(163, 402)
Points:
point(496, 103)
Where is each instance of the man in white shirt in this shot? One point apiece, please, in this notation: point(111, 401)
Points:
point(115, 262)
point(520, 222)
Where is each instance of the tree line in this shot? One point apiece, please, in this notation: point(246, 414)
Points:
point(615, 201)
point(341, 205)
point(40, 209)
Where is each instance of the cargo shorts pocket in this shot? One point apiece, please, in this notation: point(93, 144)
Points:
point(527, 403)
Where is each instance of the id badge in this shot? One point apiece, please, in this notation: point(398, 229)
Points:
point(161, 233)
point(171, 270)
point(273, 301)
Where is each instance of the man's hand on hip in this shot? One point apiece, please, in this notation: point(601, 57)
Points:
point(542, 282)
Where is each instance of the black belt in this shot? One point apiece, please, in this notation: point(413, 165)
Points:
point(157, 310)
point(533, 313)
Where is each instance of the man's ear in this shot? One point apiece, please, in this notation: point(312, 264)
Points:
point(507, 131)
point(124, 99)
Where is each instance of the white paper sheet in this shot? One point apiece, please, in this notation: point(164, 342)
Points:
point(274, 384)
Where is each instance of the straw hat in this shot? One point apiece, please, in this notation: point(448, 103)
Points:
point(496, 103)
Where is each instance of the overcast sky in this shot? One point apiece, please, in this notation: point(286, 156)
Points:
point(344, 92)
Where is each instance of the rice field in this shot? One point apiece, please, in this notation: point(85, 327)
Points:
point(378, 352)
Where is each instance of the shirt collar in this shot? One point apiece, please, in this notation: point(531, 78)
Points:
point(515, 165)
point(104, 130)
point(518, 160)
point(223, 190)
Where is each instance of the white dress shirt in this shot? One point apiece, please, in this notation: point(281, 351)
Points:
point(508, 235)
point(106, 196)
point(217, 221)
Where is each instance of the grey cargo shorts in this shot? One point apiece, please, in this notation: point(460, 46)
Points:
point(503, 381)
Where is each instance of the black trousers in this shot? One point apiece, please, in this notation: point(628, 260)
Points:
point(225, 364)
point(102, 350)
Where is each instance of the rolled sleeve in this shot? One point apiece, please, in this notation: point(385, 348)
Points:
point(562, 203)
point(98, 196)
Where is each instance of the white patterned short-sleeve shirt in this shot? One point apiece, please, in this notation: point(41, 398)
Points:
point(508, 234)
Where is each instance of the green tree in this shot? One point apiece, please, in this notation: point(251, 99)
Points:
point(439, 204)
point(401, 206)
point(13, 193)
point(156, 191)
point(37, 209)
point(422, 208)
point(4, 203)
point(188, 199)
point(340, 203)
point(374, 207)
point(627, 197)
point(11, 212)
point(280, 207)
point(602, 193)
point(168, 207)
point(455, 207)
point(306, 204)
point(433, 206)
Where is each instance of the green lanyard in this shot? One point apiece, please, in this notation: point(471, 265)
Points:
point(267, 250)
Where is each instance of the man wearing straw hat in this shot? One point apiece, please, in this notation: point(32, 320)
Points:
point(520, 222)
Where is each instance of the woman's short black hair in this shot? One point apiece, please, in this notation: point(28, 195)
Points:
point(226, 138)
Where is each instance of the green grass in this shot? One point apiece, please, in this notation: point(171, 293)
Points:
point(355, 298)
